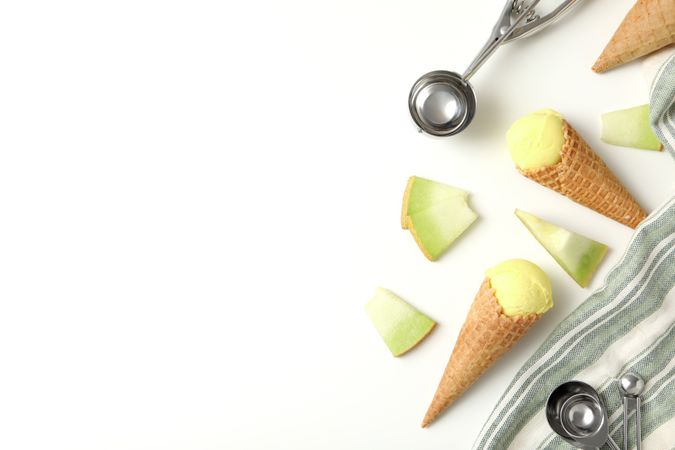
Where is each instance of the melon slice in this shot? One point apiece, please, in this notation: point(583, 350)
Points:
point(630, 128)
point(579, 256)
point(437, 227)
point(421, 193)
point(436, 215)
point(400, 325)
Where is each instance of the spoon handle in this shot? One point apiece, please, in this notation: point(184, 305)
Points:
point(628, 404)
point(625, 423)
point(638, 428)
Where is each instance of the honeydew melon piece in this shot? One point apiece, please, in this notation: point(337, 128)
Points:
point(630, 128)
point(437, 227)
point(421, 193)
point(400, 325)
point(579, 256)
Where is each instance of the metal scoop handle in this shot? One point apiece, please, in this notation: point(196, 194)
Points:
point(498, 36)
point(505, 31)
point(537, 24)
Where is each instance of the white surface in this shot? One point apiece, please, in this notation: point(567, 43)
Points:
point(199, 197)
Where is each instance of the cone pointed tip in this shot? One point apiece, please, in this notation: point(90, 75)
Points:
point(598, 68)
point(428, 418)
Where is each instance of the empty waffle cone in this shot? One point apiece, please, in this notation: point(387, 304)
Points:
point(648, 26)
point(485, 336)
point(583, 177)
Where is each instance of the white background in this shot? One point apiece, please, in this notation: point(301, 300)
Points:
point(197, 199)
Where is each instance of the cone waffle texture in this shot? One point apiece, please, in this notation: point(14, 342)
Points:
point(583, 177)
point(648, 26)
point(485, 336)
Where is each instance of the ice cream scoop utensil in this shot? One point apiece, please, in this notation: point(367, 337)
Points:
point(574, 411)
point(631, 385)
point(443, 103)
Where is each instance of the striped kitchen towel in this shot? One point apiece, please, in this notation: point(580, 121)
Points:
point(628, 324)
point(661, 109)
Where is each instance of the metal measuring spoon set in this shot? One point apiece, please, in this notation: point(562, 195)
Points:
point(443, 103)
point(576, 413)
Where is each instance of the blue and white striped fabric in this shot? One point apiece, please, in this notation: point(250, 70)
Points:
point(628, 324)
point(662, 111)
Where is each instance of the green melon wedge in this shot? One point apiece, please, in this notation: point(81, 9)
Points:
point(579, 256)
point(437, 227)
point(400, 325)
point(421, 193)
point(630, 128)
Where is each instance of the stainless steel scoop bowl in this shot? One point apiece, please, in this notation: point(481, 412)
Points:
point(576, 413)
point(443, 103)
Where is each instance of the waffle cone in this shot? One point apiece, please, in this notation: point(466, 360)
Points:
point(648, 26)
point(583, 177)
point(485, 336)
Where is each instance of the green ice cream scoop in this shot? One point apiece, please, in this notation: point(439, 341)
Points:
point(521, 287)
point(536, 140)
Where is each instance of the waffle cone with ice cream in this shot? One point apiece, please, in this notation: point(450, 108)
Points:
point(548, 150)
point(648, 26)
point(512, 297)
